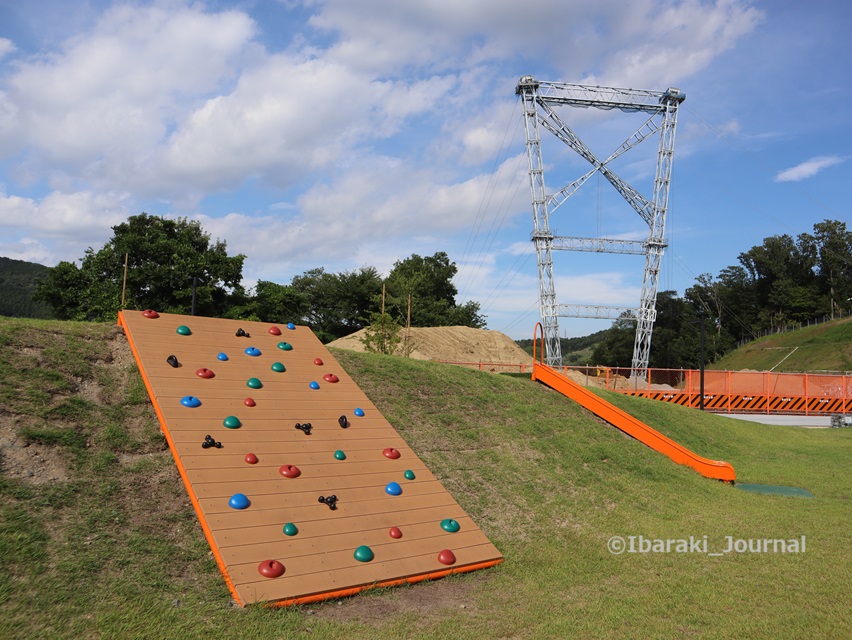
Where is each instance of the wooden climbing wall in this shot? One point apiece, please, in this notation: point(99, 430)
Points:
point(350, 463)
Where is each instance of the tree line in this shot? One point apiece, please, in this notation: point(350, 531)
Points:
point(170, 262)
point(782, 282)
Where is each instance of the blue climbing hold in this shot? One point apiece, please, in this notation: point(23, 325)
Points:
point(314, 385)
point(223, 357)
point(239, 501)
point(393, 489)
point(253, 351)
point(291, 326)
point(359, 412)
point(190, 401)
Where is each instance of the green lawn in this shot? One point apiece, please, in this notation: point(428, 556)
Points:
point(115, 549)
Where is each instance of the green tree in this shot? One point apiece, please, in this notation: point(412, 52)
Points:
point(164, 256)
point(429, 282)
point(382, 334)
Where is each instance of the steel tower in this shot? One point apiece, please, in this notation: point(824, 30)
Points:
point(539, 99)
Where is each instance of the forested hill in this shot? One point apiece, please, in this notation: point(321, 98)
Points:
point(17, 283)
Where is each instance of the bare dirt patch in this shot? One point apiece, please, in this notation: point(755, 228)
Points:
point(31, 462)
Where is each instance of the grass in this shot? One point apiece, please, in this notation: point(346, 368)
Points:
point(116, 551)
point(825, 347)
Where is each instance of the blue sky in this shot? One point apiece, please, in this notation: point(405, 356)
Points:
point(345, 133)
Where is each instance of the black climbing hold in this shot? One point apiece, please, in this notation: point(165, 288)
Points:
point(209, 441)
point(343, 422)
point(331, 501)
point(173, 361)
point(305, 428)
point(242, 334)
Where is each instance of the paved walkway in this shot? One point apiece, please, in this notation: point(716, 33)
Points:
point(810, 422)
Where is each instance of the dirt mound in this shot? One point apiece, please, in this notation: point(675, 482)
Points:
point(453, 344)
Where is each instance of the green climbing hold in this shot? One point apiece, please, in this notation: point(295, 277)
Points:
point(409, 474)
point(232, 422)
point(285, 346)
point(449, 525)
point(290, 529)
point(339, 455)
point(278, 367)
point(364, 553)
point(254, 383)
point(184, 330)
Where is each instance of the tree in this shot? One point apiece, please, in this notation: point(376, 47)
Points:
point(163, 258)
point(429, 282)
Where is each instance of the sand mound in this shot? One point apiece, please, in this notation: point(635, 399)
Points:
point(453, 344)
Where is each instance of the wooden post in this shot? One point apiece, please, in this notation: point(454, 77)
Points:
point(124, 281)
point(408, 328)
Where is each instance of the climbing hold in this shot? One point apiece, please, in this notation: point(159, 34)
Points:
point(290, 529)
point(330, 377)
point(251, 458)
point(242, 334)
point(409, 474)
point(150, 313)
point(447, 557)
point(391, 453)
point(184, 330)
point(450, 526)
point(314, 384)
point(209, 441)
point(364, 553)
point(343, 422)
point(289, 471)
point(339, 455)
point(205, 373)
point(278, 367)
point(173, 361)
point(393, 489)
point(285, 346)
point(254, 383)
point(223, 357)
point(253, 351)
point(190, 401)
point(239, 501)
point(291, 326)
point(331, 501)
point(359, 412)
point(271, 569)
point(304, 428)
point(274, 331)
point(232, 422)
point(249, 402)
point(395, 533)
point(318, 361)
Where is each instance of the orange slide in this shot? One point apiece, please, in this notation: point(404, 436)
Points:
point(631, 426)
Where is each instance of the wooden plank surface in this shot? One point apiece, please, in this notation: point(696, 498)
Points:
point(319, 560)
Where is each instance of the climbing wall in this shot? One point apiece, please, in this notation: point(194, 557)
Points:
point(303, 489)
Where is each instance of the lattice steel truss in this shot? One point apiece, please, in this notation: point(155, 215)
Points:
point(539, 99)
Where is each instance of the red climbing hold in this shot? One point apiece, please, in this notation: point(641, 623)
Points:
point(251, 458)
point(271, 569)
point(289, 471)
point(318, 361)
point(330, 377)
point(395, 533)
point(274, 331)
point(447, 557)
point(391, 453)
point(205, 373)
point(249, 402)
point(150, 313)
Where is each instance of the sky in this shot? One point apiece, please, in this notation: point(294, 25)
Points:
point(351, 133)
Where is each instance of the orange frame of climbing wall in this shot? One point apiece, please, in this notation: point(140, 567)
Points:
point(319, 560)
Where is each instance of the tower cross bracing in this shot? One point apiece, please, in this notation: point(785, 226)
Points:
point(540, 100)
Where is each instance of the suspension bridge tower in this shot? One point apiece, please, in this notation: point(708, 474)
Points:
point(540, 99)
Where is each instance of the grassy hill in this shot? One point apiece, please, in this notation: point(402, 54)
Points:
point(825, 347)
point(98, 538)
point(17, 284)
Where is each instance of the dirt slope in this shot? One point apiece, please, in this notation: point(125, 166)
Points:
point(453, 344)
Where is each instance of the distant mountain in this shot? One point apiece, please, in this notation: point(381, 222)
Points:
point(575, 351)
point(17, 284)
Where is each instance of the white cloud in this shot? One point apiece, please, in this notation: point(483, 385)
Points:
point(808, 168)
point(6, 47)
